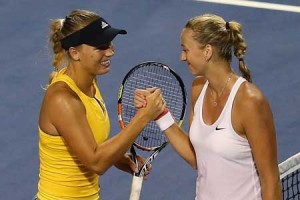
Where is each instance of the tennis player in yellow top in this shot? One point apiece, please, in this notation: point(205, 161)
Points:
point(74, 124)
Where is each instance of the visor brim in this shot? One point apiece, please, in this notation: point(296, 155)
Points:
point(105, 38)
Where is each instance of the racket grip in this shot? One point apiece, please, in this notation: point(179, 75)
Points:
point(136, 188)
point(165, 120)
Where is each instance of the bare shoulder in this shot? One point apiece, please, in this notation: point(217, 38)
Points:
point(252, 111)
point(251, 99)
point(60, 96)
point(249, 93)
point(199, 81)
point(59, 104)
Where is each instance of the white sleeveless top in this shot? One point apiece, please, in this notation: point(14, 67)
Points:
point(226, 169)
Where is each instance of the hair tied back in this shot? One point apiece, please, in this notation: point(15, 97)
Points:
point(227, 26)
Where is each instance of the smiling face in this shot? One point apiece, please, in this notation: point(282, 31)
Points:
point(95, 60)
point(192, 53)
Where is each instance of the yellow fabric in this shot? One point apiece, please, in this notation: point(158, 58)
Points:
point(62, 175)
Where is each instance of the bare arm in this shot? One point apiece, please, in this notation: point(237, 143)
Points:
point(176, 136)
point(259, 129)
point(67, 114)
point(182, 144)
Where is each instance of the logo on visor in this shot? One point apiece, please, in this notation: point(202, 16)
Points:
point(104, 24)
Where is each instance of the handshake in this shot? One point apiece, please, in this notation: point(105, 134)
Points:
point(165, 119)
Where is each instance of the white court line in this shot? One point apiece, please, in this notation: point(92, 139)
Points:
point(256, 4)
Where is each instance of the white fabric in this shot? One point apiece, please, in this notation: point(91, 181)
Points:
point(165, 121)
point(226, 169)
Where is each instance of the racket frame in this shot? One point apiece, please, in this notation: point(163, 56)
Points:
point(137, 180)
point(121, 89)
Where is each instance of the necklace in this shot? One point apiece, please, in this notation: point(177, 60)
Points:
point(215, 102)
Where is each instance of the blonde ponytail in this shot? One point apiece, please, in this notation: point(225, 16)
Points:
point(239, 48)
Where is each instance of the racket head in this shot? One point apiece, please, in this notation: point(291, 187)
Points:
point(146, 75)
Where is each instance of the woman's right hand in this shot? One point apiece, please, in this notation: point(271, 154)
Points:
point(140, 98)
point(149, 101)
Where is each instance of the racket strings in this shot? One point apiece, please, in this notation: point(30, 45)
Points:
point(171, 90)
point(147, 77)
point(150, 138)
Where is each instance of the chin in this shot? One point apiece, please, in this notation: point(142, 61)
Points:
point(103, 70)
point(195, 74)
point(192, 71)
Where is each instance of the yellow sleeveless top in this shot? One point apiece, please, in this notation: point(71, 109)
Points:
point(62, 175)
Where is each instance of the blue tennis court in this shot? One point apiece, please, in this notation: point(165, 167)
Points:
point(154, 28)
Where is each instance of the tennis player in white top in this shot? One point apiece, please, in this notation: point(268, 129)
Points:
point(232, 139)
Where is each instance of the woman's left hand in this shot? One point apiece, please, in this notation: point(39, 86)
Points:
point(126, 164)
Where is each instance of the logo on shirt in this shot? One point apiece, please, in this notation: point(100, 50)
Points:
point(218, 128)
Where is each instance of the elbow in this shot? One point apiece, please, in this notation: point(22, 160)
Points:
point(193, 161)
point(194, 165)
point(97, 162)
point(98, 169)
point(98, 166)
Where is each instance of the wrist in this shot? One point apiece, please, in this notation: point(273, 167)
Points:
point(142, 117)
point(165, 120)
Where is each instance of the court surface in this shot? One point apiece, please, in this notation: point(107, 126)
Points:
point(154, 27)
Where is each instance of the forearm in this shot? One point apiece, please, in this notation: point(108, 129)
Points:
point(181, 143)
point(112, 150)
point(124, 163)
point(271, 191)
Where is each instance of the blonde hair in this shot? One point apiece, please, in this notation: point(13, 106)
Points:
point(60, 28)
point(225, 36)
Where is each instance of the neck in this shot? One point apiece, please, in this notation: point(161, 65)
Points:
point(219, 94)
point(218, 76)
point(82, 79)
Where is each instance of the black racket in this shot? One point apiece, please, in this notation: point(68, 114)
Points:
point(151, 139)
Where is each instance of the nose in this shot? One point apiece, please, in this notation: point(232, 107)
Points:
point(110, 51)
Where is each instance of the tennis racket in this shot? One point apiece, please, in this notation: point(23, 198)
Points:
point(151, 139)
